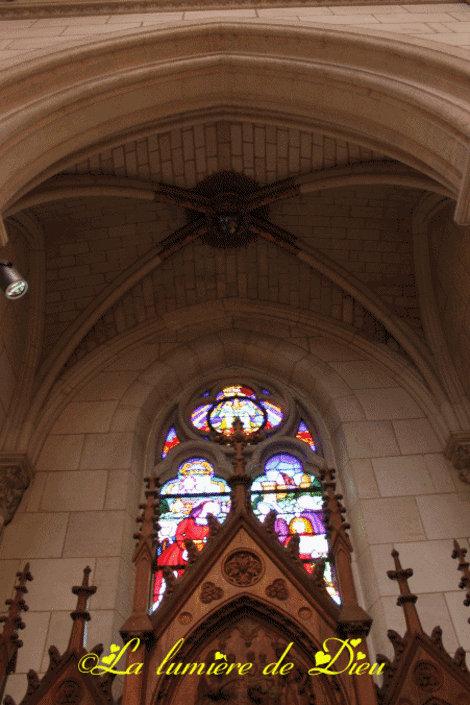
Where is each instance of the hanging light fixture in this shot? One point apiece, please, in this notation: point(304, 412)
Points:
point(11, 281)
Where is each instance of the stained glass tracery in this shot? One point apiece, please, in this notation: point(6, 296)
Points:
point(185, 502)
point(237, 401)
point(223, 414)
point(303, 434)
point(199, 417)
point(236, 391)
point(171, 441)
point(297, 498)
point(273, 412)
point(195, 492)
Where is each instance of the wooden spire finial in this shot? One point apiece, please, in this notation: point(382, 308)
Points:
point(340, 546)
point(238, 439)
point(333, 508)
point(406, 598)
point(463, 566)
point(9, 641)
point(353, 621)
point(80, 615)
point(149, 518)
point(139, 624)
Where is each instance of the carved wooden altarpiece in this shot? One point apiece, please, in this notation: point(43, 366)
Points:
point(422, 672)
point(246, 598)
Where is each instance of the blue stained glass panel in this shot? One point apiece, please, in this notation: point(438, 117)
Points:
point(273, 412)
point(199, 417)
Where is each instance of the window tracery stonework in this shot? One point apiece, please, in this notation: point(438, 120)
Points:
point(286, 495)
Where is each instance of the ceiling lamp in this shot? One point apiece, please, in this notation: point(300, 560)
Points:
point(11, 281)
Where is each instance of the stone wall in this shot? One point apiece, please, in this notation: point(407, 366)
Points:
point(447, 24)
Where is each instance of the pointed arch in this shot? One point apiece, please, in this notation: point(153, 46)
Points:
point(226, 616)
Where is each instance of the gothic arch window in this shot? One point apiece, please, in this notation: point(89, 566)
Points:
point(196, 469)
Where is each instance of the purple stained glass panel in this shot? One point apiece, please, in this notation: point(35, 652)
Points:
point(298, 512)
point(199, 417)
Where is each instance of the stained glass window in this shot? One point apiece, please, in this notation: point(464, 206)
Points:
point(185, 503)
point(236, 391)
point(297, 498)
point(274, 413)
point(228, 409)
point(171, 441)
point(303, 434)
point(199, 417)
point(237, 401)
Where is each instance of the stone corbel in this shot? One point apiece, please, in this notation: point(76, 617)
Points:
point(458, 452)
point(15, 475)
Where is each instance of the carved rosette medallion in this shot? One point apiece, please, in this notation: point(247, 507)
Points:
point(427, 676)
point(278, 589)
point(68, 692)
point(243, 568)
point(210, 592)
point(229, 218)
point(185, 618)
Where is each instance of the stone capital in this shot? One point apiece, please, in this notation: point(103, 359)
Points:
point(15, 475)
point(457, 450)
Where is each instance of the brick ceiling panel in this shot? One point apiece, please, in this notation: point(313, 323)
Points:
point(265, 153)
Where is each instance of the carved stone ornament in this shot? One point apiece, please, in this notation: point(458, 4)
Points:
point(458, 452)
point(243, 568)
point(185, 618)
point(305, 613)
point(210, 592)
point(427, 676)
point(278, 589)
point(15, 476)
point(68, 692)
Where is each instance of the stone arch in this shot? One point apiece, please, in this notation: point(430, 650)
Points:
point(246, 346)
point(363, 101)
point(448, 351)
